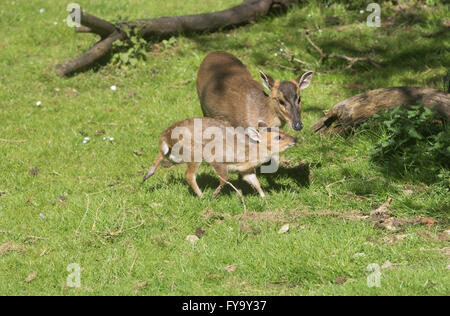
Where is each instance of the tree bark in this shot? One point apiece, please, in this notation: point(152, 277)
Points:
point(162, 27)
point(355, 110)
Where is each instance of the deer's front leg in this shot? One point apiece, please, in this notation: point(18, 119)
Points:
point(254, 182)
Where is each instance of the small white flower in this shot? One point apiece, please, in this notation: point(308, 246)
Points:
point(320, 31)
point(113, 88)
point(55, 23)
point(86, 140)
point(281, 49)
point(38, 103)
point(42, 10)
point(111, 138)
point(42, 216)
point(104, 138)
point(361, 11)
point(228, 35)
point(309, 15)
point(276, 54)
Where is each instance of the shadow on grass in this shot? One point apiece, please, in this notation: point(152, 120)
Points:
point(299, 174)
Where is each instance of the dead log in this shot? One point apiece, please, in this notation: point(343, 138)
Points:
point(162, 27)
point(355, 110)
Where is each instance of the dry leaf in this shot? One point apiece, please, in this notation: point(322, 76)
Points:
point(141, 285)
point(283, 229)
point(199, 232)
point(230, 268)
point(428, 221)
point(192, 238)
point(137, 152)
point(31, 277)
point(340, 280)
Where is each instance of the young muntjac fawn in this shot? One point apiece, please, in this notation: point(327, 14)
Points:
point(223, 147)
point(228, 92)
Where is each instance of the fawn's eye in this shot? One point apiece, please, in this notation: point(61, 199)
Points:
point(278, 137)
point(282, 102)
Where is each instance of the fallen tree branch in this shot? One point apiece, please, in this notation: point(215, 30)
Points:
point(355, 110)
point(162, 27)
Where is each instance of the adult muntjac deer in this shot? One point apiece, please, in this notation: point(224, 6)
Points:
point(228, 92)
point(231, 149)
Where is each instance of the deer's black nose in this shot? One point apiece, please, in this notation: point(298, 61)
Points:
point(297, 126)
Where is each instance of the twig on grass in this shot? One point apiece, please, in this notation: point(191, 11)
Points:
point(77, 231)
point(23, 236)
point(96, 216)
point(327, 187)
point(239, 193)
point(351, 60)
point(12, 140)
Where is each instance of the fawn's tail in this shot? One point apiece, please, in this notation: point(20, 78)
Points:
point(152, 170)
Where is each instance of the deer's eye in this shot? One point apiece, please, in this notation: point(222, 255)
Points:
point(282, 102)
point(278, 137)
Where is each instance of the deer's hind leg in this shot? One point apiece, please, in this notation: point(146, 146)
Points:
point(222, 172)
point(191, 171)
point(254, 182)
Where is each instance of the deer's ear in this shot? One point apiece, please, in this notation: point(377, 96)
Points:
point(304, 80)
point(253, 134)
point(267, 80)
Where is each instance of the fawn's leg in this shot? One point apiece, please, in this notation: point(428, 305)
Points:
point(191, 170)
point(222, 172)
point(254, 182)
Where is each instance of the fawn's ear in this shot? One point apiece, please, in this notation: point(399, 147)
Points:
point(305, 80)
point(261, 125)
point(267, 80)
point(253, 134)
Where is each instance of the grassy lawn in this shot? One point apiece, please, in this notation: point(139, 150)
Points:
point(63, 201)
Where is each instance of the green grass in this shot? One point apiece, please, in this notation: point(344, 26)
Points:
point(101, 180)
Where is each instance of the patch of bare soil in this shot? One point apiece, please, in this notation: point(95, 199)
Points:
point(11, 247)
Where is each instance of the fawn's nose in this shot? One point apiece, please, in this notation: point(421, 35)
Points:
point(298, 126)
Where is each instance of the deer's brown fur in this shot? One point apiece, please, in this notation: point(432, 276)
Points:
point(268, 141)
point(227, 91)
